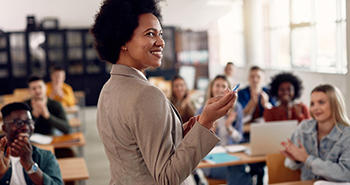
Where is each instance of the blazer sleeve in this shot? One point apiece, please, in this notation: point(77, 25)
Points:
point(155, 127)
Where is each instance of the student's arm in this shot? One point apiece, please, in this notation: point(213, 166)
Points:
point(332, 171)
point(58, 117)
point(51, 170)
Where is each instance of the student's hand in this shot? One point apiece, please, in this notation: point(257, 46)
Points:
point(294, 152)
point(36, 109)
point(22, 148)
point(254, 96)
point(298, 110)
point(232, 115)
point(57, 91)
point(4, 159)
point(217, 107)
point(264, 99)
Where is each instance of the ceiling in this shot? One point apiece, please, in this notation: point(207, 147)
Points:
point(193, 14)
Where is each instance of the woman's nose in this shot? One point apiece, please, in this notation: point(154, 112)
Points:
point(160, 42)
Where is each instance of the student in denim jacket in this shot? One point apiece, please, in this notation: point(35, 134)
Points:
point(320, 147)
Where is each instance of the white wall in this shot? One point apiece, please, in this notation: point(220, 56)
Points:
point(71, 13)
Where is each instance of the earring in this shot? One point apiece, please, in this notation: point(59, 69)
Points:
point(124, 48)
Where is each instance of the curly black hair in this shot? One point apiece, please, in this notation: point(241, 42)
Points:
point(277, 80)
point(115, 23)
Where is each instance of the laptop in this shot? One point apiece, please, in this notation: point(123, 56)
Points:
point(266, 138)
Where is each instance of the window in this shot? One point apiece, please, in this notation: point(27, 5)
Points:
point(231, 36)
point(306, 34)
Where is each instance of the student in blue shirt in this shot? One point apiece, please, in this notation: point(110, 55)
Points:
point(255, 98)
point(320, 147)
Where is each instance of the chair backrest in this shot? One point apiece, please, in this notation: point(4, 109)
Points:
point(277, 172)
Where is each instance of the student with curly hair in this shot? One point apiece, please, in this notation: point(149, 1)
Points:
point(286, 87)
point(144, 139)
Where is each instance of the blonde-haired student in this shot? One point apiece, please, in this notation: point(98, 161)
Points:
point(320, 147)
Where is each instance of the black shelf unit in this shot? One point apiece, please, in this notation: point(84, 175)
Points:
point(33, 52)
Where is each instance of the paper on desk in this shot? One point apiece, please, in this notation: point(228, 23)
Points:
point(217, 149)
point(228, 148)
point(235, 148)
point(322, 182)
point(40, 139)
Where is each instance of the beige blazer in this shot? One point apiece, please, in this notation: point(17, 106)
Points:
point(142, 134)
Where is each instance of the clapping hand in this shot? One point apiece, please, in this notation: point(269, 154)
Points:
point(4, 156)
point(22, 148)
point(296, 153)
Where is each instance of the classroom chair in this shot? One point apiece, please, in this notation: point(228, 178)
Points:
point(215, 181)
point(277, 172)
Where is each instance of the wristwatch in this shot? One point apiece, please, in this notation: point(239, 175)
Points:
point(33, 169)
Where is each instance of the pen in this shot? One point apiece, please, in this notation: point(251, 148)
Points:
point(236, 87)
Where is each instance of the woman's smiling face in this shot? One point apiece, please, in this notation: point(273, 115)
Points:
point(146, 45)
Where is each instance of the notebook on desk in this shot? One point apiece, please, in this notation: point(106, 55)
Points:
point(266, 138)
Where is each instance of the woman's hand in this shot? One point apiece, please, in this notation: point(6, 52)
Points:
point(189, 124)
point(217, 107)
point(294, 152)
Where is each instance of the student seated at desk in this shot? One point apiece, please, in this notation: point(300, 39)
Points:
point(48, 114)
point(229, 129)
point(58, 90)
point(320, 147)
point(20, 162)
point(255, 98)
point(286, 87)
point(181, 99)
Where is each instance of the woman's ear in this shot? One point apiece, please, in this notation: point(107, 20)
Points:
point(124, 48)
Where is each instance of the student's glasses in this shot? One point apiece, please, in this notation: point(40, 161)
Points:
point(19, 123)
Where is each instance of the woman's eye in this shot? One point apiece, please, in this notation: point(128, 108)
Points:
point(150, 34)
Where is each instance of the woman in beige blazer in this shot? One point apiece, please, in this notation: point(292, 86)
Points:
point(144, 138)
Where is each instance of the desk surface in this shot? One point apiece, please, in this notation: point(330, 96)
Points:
point(311, 182)
point(68, 140)
point(243, 159)
point(73, 169)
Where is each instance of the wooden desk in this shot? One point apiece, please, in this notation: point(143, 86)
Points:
point(243, 159)
point(68, 140)
point(310, 182)
point(73, 169)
